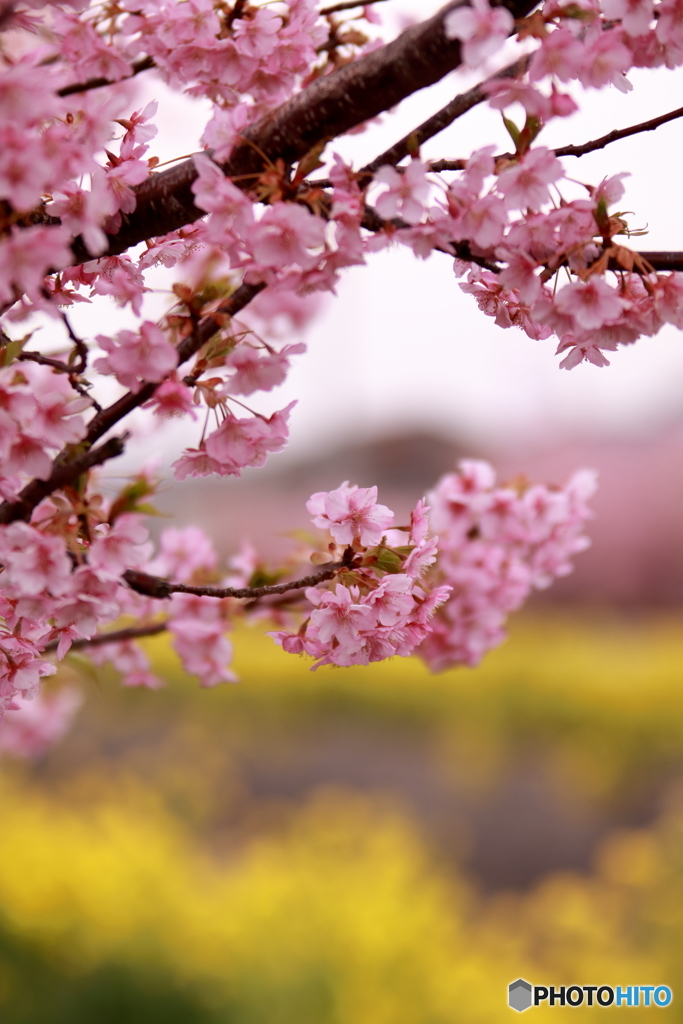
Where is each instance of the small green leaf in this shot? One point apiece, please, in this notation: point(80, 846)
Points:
point(387, 560)
point(513, 130)
point(9, 352)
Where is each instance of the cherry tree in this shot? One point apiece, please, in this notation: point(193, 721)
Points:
point(266, 215)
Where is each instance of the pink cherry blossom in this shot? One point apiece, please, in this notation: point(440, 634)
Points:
point(635, 15)
point(605, 61)
point(408, 190)
point(173, 399)
point(525, 184)
point(136, 357)
point(482, 28)
point(34, 562)
point(121, 546)
point(246, 442)
point(591, 304)
point(257, 370)
point(350, 513)
point(204, 650)
point(284, 236)
point(338, 617)
point(393, 599)
point(183, 552)
point(197, 462)
point(35, 726)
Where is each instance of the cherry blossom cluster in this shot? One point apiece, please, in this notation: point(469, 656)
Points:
point(496, 545)
point(503, 210)
point(536, 249)
point(510, 211)
point(378, 600)
point(39, 413)
point(377, 608)
point(56, 591)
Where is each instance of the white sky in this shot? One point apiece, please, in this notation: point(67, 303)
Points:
point(401, 346)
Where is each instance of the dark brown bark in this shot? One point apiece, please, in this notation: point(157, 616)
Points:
point(62, 475)
point(328, 107)
point(156, 587)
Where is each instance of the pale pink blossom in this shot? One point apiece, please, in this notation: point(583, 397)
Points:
point(196, 462)
point(483, 29)
point(670, 23)
point(258, 370)
point(520, 274)
point(204, 650)
point(419, 522)
point(606, 59)
point(223, 130)
point(84, 212)
point(350, 513)
point(393, 599)
point(503, 92)
point(121, 546)
point(338, 617)
point(483, 222)
point(34, 562)
point(560, 54)
point(284, 236)
point(172, 399)
point(635, 15)
point(525, 183)
point(136, 357)
point(407, 193)
point(33, 727)
point(590, 304)
point(183, 552)
point(246, 442)
point(27, 255)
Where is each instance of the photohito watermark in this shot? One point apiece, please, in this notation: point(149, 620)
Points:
point(522, 995)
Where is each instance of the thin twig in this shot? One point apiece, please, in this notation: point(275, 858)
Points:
point(156, 587)
point(619, 133)
point(145, 64)
point(373, 222)
point(202, 332)
point(115, 637)
point(348, 5)
point(437, 166)
point(79, 345)
point(458, 106)
point(37, 357)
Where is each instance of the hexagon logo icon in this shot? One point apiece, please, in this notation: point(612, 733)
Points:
point(519, 995)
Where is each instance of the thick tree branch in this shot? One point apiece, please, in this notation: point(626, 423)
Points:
point(664, 261)
point(156, 587)
point(330, 106)
point(619, 133)
point(62, 475)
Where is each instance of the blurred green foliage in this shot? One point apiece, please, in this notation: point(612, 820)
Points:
point(150, 874)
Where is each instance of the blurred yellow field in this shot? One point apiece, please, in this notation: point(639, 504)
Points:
point(161, 878)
